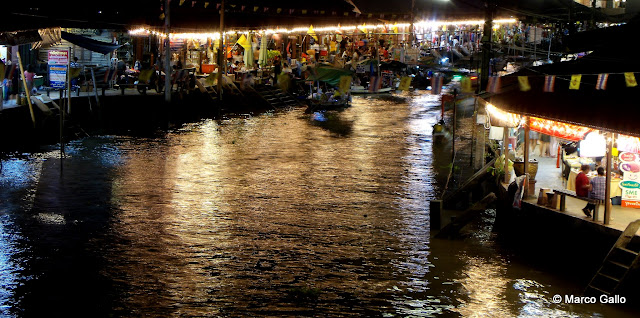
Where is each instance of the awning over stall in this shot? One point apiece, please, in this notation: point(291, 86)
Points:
point(90, 44)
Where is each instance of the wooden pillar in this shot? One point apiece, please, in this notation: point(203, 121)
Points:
point(486, 45)
point(294, 48)
point(222, 55)
point(167, 53)
point(526, 153)
point(505, 151)
point(607, 191)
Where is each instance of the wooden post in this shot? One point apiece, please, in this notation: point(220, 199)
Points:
point(453, 131)
point(26, 89)
point(68, 82)
point(167, 52)
point(222, 55)
point(607, 191)
point(486, 45)
point(95, 87)
point(505, 151)
point(526, 153)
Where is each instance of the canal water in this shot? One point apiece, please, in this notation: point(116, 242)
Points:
point(274, 215)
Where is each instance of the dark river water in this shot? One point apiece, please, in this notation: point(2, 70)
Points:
point(272, 215)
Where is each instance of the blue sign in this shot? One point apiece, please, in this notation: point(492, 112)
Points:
point(58, 76)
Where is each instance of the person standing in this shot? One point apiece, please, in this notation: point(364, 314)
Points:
point(29, 74)
point(277, 68)
point(545, 140)
point(598, 188)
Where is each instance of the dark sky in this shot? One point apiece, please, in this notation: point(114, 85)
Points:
point(33, 14)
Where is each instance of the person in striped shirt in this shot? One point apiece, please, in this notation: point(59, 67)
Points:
point(598, 188)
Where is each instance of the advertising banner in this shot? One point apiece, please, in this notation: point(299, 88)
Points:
point(58, 76)
point(630, 184)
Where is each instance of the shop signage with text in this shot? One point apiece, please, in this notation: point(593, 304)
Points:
point(630, 184)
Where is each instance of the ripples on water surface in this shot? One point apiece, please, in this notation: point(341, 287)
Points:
point(267, 216)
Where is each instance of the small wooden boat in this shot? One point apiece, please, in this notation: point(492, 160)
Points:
point(362, 90)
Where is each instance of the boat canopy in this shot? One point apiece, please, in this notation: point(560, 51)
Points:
point(329, 75)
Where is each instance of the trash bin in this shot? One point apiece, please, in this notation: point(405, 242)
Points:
point(616, 200)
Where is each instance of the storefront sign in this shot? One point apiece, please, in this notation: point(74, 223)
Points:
point(57, 76)
point(58, 57)
point(630, 184)
point(628, 157)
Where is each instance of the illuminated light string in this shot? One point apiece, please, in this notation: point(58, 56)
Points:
point(562, 130)
point(550, 127)
point(338, 28)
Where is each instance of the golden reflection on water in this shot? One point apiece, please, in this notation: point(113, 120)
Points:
point(485, 285)
point(238, 213)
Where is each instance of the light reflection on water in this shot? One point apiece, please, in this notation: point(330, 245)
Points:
point(268, 216)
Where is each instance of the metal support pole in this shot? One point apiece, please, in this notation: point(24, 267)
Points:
point(167, 52)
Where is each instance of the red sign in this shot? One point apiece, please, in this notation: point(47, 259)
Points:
point(58, 57)
point(628, 156)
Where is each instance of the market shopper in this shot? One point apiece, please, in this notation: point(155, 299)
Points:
point(29, 74)
point(277, 68)
point(598, 188)
point(582, 182)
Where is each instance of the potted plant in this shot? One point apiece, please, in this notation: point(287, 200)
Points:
point(498, 168)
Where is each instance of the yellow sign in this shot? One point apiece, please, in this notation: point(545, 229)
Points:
point(345, 84)
point(575, 81)
point(630, 79)
point(405, 83)
point(466, 85)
